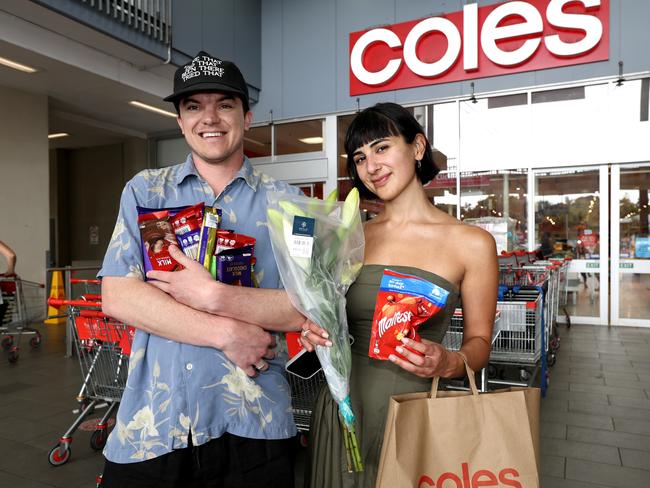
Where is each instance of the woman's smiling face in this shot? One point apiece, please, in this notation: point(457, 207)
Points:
point(387, 165)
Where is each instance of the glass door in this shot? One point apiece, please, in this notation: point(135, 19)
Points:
point(570, 215)
point(630, 245)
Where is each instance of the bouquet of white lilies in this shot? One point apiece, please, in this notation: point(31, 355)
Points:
point(318, 246)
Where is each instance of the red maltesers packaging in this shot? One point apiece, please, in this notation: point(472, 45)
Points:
point(403, 303)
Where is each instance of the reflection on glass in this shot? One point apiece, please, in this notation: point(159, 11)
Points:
point(442, 192)
point(343, 122)
point(567, 224)
point(634, 213)
point(496, 201)
point(257, 142)
point(299, 137)
point(634, 283)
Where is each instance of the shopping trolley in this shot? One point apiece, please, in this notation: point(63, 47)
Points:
point(21, 303)
point(91, 288)
point(521, 341)
point(563, 280)
point(507, 259)
point(103, 346)
point(303, 396)
point(453, 339)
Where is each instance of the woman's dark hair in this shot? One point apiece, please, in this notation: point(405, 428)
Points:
point(386, 120)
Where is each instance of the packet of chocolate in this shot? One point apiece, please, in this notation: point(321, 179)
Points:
point(157, 233)
point(227, 239)
point(187, 227)
point(234, 268)
point(403, 303)
point(208, 237)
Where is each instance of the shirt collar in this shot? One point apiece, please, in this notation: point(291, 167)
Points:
point(246, 172)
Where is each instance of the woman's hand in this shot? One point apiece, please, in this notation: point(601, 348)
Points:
point(312, 335)
point(435, 359)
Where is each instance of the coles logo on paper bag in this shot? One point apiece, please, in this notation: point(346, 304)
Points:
point(479, 42)
point(481, 477)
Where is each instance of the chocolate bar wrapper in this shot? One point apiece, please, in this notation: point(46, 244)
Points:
point(156, 234)
point(234, 269)
point(208, 238)
point(187, 226)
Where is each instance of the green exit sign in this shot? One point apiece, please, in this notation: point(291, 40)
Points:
point(626, 265)
point(593, 265)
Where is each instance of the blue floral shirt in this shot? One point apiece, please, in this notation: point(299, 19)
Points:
point(175, 388)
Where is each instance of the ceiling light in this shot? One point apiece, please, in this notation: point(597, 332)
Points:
point(56, 135)
point(151, 108)
point(20, 67)
point(312, 140)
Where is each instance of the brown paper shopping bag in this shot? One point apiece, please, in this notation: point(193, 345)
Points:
point(461, 439)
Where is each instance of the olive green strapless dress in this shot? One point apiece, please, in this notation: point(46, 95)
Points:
point(371, 384)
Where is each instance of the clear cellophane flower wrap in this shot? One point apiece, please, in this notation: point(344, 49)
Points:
point(317, 285)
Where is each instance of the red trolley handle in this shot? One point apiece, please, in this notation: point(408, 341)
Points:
point(76, 281)
point(95, 314)
point(57, 302)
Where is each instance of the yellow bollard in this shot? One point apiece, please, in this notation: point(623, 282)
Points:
point(56, 291)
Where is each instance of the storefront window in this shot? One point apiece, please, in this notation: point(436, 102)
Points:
point(343, 122)
point(257, 142)
point(567, 213)
point(496, 201)
point(443, 133)
point(634, 252)
point(299, 137)
point(634, 213)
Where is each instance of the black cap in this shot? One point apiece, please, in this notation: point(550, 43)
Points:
point(206, 73)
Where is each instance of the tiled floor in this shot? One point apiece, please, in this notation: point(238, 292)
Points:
point(595, 421)
point(595, 418)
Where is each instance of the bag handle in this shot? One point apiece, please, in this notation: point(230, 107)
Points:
point(470, 376)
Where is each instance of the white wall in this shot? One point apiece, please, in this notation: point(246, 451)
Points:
point(24, 175)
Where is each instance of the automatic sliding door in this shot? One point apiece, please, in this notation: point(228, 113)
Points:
point(631, 245)
point(570, 217)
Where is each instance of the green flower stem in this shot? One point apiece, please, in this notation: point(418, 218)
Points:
point(348, 449)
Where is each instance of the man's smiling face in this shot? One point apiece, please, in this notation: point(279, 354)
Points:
point(213, 125)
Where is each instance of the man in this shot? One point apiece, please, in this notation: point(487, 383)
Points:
point(206, 404)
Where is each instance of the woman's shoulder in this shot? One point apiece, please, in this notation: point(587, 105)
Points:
point(466, 238)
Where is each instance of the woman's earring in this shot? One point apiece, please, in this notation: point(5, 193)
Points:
point(418, 163)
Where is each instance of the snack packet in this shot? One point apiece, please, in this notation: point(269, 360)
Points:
point(227, 239)
point(208, 237)
point(187, 227)
point(234, 269)
point(403, 303)
point(157, 233)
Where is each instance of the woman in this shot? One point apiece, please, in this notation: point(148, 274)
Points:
point(390, 158)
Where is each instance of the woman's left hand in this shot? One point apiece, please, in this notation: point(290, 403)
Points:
point(435, 359)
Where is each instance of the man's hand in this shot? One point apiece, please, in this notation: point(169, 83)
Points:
point(248, 346)
point(192, 286)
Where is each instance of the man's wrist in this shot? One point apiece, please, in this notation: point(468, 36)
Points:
point(213, 298)
point(223, 328)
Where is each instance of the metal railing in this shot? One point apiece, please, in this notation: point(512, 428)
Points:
point(150, 17)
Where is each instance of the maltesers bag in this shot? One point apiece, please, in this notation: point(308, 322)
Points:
point(456, 439)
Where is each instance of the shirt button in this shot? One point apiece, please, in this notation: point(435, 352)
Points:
point(189, 366)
